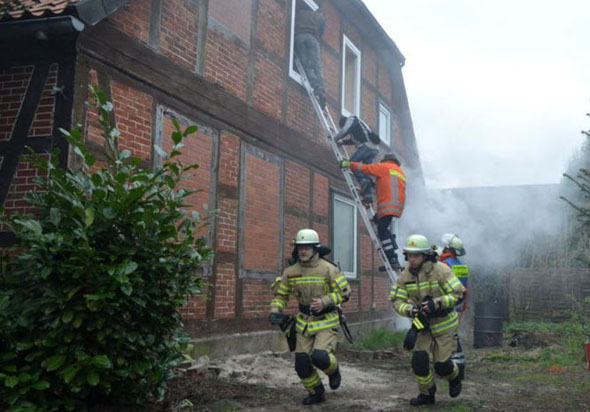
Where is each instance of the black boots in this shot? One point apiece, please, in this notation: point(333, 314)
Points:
point(335, 379)
point(455, 387)
point(422, 399)
point(316, 397)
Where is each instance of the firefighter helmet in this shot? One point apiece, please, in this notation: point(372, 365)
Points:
point(452, 241)
point(307, 237)
point(417, 244)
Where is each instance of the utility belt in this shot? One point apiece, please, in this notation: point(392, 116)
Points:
point(307, 310)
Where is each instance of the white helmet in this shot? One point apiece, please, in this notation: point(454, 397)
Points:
point(307, 237)
point(452, 241)
point(417, 244)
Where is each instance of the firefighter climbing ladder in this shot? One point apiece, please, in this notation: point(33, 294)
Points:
point(341, 154)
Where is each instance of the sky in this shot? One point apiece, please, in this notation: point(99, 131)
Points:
point(498, 89)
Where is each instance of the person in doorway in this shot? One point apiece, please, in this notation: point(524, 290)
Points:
point(309, 27)
point(319, 287)
point(431, 288)
point(452, 248)
point(391, 198)
point(366, 142)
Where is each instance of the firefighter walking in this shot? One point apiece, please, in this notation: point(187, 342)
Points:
point(431, 288)
point(319, 286)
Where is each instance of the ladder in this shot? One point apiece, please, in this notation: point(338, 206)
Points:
point(341, 154)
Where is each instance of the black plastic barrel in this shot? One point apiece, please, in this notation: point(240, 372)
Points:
point(487, 329)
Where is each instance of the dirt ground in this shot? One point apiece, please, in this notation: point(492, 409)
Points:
point(268, 382)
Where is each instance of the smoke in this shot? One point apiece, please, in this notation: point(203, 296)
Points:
point(494, 223)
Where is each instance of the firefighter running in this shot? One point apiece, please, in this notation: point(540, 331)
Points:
point(319, 286)
point(430, 287)
point(451, 250)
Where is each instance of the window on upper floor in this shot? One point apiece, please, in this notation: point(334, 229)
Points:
point(351, 78)
point(384, 124)
point(345, 234)
point(293, 72)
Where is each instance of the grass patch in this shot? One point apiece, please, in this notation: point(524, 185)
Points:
point(510, 357)
point(379, 339)
point(567, 338)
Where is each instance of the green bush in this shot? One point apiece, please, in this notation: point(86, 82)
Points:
point(89, 302)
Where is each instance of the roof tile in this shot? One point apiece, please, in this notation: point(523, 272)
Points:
point(18, 8)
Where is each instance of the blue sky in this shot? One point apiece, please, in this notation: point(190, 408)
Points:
point(498, 89)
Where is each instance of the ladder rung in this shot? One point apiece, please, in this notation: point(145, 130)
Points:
point(329, 125)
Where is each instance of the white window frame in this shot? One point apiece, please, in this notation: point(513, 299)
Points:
point(349, 202)
point(348, 46)
point(387, 114)
point(292, 73)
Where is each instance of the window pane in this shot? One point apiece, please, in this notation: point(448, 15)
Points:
point(344, 232)
point(350, 81)
point(384, 125)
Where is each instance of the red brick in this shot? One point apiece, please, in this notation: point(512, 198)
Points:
point(369, 107)
point(42, 124)
point(179, 30)
point(225, 291)
point(133, 19)
point(272, 26)
point(261, 214)
point(132, 103)
point(321, 197)
point(332, 32)
point(13, 97)
point(256, 298)
point(297, 186)
point(268, 86)
point(226, 63)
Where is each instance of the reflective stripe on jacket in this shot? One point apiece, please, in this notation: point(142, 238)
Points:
point(391, 186)
point(435, 280)
point(307, 281)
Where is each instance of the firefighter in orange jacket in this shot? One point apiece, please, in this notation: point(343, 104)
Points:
point(391, 197)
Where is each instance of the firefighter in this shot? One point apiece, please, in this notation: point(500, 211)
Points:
point(453, 248)
point(366, 142)
point(319, 286)
point(430, 287)
point(391, 197)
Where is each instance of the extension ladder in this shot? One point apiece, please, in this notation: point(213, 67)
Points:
point(341, 154)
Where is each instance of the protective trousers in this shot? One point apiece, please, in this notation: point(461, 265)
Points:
point(439, 348)
point(387, 238)
point(315, 351)
point(307, 47)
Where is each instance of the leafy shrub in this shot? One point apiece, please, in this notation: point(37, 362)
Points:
point(89, 302)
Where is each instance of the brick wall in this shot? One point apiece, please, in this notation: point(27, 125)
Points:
point(226, 63)
point(133, 116)
point(369, 107)
point(225, 291)
point(381, 296)
point(256, 298)
point(133, 19)
point(268, 85)
point(261, 205)
point(22, 183)
point(272, 26)
point(300, 113)
point(178, 31)
point(42, 124)
point(13, 86)
point(321, 195)
point(198, 149)
point(331, 35)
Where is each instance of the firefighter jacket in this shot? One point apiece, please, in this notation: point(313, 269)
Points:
point(391, 186)
point(459, 269)
point(317, 278)
point(435, 280)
